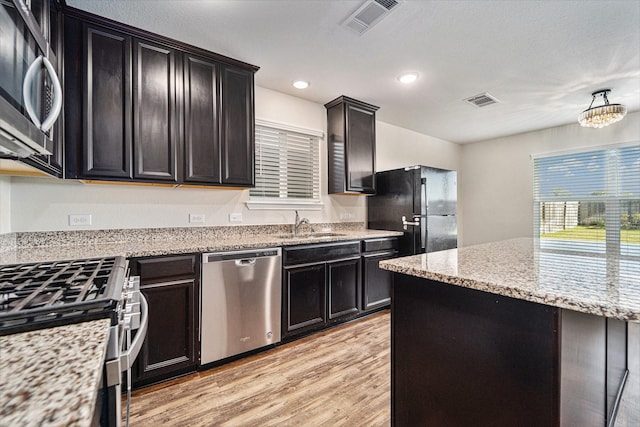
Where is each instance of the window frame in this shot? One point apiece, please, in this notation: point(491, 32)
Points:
point(282, 203)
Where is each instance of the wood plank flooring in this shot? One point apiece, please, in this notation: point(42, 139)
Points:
point(338, 377)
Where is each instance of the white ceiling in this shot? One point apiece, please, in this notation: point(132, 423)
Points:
point(541, 59)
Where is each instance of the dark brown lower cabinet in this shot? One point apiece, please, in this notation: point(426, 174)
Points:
point(344, 287)
point(305, 298)
point(170, 285)
point(462, 357)
point(321, 286)
point(376, 283)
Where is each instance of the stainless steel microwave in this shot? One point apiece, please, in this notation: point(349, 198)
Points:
point(30, 90)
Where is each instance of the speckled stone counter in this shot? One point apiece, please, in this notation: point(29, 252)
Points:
point(604, 286)
point(50, 377)
point(52, 246)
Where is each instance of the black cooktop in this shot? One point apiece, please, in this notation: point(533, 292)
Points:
point(45, 294)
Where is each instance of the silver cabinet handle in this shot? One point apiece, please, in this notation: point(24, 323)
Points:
point(56, 107)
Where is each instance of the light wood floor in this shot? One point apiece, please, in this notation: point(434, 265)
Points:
point(338, 377)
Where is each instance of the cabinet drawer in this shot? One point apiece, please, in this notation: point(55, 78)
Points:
point(150, 269)
point(320, 252)
point(379, 244)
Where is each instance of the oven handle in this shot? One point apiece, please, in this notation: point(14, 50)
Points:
point(127, 359)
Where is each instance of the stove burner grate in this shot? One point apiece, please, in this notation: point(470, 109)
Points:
point(45, 294)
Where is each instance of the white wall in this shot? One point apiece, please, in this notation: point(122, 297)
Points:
point(40, 204)
point(398, 147)
point(496, 176)
point(5, 204)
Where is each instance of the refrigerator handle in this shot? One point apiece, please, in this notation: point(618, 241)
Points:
point(405, 223)
point(423, 220)
point(423, 190)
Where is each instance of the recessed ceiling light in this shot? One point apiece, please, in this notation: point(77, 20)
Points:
point(408, 78)
point(300, 84)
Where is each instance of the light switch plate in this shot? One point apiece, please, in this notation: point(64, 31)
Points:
point(235, 217)
point(79, 219)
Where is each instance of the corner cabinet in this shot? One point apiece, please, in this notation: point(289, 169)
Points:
point(145, 108)
point(170, 284)
point(377, 283)
point(351, 128)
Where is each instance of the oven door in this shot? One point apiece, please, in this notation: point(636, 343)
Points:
point(30, 91)
point(122, 352)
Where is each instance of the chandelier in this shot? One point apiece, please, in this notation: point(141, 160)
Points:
point(603, 115)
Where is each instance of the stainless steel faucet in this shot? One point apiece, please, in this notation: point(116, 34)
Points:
point(298, 222)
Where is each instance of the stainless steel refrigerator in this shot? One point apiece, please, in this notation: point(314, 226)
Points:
point(419, 201)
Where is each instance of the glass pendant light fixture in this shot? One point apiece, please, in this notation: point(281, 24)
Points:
point(603, 115)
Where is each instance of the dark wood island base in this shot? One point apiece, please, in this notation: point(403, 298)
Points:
point(463, 357)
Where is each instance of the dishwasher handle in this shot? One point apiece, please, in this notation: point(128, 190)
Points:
point(245, 262)
point(244, 255)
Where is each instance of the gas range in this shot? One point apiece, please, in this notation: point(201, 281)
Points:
point(53, 293)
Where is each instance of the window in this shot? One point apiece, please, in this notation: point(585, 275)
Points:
point(287, 167)
point(589, 201)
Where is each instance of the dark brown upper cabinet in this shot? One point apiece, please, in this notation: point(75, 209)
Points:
point(146, 108)
point(155, 122)
point(237, 126)
point(351, 128)
point(201, 133)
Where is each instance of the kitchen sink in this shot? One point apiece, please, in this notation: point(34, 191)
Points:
point(310, 235)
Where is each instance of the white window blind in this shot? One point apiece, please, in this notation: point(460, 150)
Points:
point(589, 201)
point(287, 166)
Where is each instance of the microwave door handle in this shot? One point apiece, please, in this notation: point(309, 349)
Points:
point(56, 107)
point(26, 89)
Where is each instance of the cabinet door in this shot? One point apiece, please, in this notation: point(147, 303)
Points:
point(154, 112)
point(360, 140)
point(202, 142)
point(237, 127)
point(344, 287)
point(170, 344)
point(304, 299)
point(376, 283)
point(106, 143)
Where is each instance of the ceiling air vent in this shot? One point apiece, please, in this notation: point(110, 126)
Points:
point(369, 14)
point(481, 100)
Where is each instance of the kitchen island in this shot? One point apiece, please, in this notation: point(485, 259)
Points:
point(510, 333)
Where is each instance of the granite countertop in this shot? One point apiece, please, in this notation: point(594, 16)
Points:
point(51, 376)
point(174, 244)
point(589, 283)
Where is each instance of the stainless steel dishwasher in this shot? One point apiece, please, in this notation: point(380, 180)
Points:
point(240, 302)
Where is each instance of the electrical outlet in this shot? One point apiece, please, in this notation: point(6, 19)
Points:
point(79, 219)
point(235, 217)
point(196, 218)
point(346, 215)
